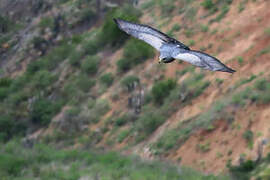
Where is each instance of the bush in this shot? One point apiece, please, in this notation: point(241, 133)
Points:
point(122, 135)
point(43, 79)
point(207, 4)
point(107, 79)
point(75, 58)
point(43, 111)
point(91, 46)
point(130, 82)
point(46, 22)
point(87, 15)
point(148, 123)
point(84, 82)
point(111, 34)
point(261, 84)
point(135, 52)
point(162, 89)
point(124, 65)
point(90, 65)
point(4, 24)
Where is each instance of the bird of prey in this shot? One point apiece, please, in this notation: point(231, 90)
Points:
point(171, 49)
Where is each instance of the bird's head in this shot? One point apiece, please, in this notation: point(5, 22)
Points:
point(165, 59)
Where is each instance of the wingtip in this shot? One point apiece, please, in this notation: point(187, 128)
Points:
point(229, 70)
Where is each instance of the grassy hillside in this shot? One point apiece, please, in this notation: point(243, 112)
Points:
point(71, 81)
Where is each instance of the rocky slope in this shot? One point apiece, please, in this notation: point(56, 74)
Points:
point(70, 78)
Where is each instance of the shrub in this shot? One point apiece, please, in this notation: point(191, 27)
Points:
point(43, 79)
point(207, 4)
point(43, 111)
point(162, 89)
point(4, 24)
point(90, 64)
point(75, 57)
point(86, 15)
point(122, 135)
point(124, 65)
point(46, 22)
point(84, 82)
point(130, 82)
point(91, 46)
point(261, 84)
point(107, 79)
point(148, 123)
point(135, 52)
point(110, 32)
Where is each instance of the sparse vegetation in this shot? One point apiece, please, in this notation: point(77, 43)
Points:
point(135, 52)
point(90, 65)
point(107, 79)
point(162, 89)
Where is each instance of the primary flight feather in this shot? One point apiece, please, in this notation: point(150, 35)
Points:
point(171, 49)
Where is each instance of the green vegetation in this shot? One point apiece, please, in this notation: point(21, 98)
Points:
point(204, 28)
point(45, 162)
point(107, 79)
point(129, 82)
point(135, 52)
point(90, 65)
point(207, 4)
point(248, 136)
point(240, 60)
point(46, 22)
point(110, 33)
point(162, 89)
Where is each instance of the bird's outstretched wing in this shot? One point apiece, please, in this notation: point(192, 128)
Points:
point(203, 60)
point(148, 34)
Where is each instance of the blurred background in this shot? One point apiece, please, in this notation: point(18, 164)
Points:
point(79, 99)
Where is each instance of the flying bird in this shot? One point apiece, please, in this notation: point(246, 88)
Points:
point(171, 49)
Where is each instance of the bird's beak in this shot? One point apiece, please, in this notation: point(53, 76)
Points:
point(159, 60)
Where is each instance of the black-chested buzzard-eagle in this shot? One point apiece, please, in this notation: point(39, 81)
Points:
point(171, 49)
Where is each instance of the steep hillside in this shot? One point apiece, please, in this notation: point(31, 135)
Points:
point(70, 78)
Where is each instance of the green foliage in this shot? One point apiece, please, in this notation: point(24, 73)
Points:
point(129, 82)
point(46, 22)
point(240, 60)
point(204, 28)
point(261, 84)
point(120, 121)
point(91, 46)
point(10, 127)
point(90, 65)
point(122, 135)
point(147, 123)
point(162, 89)
point(84, 82)
point(224, 10)
point(207, 4)
point(242, 172)
point(45, 162)
point(244, 81)
point(203, 147)
point(42, 79)
point(101, 107)
point(110, 33)
point(43, 111)
point(5, 24)
point(75, 57)
point(248, 135)
point(167, 6)
point(135, 52)
point(107, 79)
point(87, 15)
